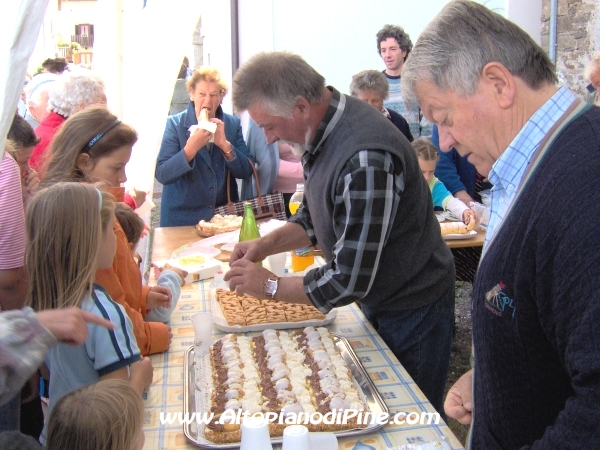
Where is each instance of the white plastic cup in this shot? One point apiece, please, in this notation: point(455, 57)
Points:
point(255, 434)
point(323, 441)
point(202, 323)
point(219, 282)
point(277, 263)
point(295, 437)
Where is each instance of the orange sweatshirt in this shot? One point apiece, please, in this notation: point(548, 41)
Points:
point(123, 283)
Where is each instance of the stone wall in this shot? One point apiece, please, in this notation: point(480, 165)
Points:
point(577, 31)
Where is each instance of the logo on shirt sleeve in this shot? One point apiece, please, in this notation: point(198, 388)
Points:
point(498, 302)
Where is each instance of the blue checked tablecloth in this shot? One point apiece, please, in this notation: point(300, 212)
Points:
point(394, 384)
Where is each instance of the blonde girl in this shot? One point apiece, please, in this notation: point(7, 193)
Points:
point(442, 198)
point(93, 146)
point(107, 415)
point(70, 235)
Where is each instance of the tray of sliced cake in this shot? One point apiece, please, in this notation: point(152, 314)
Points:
point(241, 313)
point(307, 376)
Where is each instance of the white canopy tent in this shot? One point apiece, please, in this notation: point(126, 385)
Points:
point(20, 23)
point(138, 52)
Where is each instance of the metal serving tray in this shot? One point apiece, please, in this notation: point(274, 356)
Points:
point(363, 382)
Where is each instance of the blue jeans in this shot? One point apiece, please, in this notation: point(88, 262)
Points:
point(421, 339)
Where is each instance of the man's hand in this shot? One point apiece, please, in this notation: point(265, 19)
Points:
point(459, 401)
point(69, 325)
point(463, 196)
point(246, 277)
point(254, 251)
point(158, 296)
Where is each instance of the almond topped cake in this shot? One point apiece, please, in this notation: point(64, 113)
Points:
point(245, 310)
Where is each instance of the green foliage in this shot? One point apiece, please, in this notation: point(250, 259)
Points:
point(73, 47)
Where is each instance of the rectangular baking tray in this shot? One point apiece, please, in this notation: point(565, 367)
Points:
point(220, 322)
point(370, 396)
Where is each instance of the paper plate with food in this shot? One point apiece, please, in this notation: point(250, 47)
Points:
point(196, 248)
point(219, 224)
point(458, 230)
point(198, 267)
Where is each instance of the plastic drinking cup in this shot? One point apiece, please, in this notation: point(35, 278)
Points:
point(255, 434)
point(277, 263)
point(202, 323)
point(295, 437)
point(323, 441)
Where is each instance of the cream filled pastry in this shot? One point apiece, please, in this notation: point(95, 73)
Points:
point(282, 373)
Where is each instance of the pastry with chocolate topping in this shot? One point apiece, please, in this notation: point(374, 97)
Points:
point(282, 373)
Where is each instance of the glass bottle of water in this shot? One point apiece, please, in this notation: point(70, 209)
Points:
point(249, 228)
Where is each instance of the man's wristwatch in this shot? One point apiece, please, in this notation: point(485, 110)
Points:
point(270, 287)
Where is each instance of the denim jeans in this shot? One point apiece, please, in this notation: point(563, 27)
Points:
point(421, 339)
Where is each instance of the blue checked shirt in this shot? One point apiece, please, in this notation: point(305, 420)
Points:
point(369, 177)
point(508, 171)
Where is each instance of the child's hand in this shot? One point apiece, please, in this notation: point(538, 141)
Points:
point(158, 296)
point(142, 372)
point(31, 181)
point(182, 274)
point(70, 325)
point(469, 216)
point(138, 196)
point(146, 230)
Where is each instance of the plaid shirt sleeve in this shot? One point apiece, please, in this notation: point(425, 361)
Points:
point(366, 201)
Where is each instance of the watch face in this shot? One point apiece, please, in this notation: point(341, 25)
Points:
point(270, 287)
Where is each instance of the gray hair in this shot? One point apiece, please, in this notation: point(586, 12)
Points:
point(370, 80)
point(38, 85)
point(593, 66)
point(276, 80)
point(74, 91)
point(457, 44)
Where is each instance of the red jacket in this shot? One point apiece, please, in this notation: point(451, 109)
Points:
point(46, 131)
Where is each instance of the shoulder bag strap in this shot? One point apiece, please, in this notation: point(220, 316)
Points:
point(260, 200)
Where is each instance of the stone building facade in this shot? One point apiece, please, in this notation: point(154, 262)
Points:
point(578, 37)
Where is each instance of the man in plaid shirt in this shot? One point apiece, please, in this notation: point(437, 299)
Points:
point(367, 206)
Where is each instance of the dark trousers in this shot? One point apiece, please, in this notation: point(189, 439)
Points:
point(421, 339)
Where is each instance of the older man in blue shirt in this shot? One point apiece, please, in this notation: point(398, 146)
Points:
point(536, 298)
